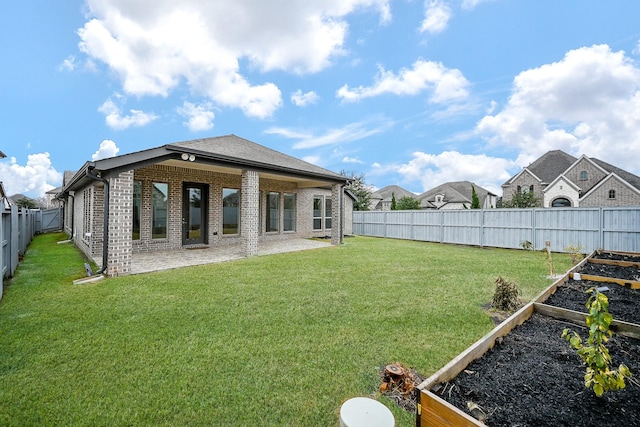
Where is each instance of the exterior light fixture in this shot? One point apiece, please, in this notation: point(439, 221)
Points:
point(187, 156)
point(192, 157)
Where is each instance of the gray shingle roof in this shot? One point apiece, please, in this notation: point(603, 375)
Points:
point(550, 165)
point(627, 176)
point(386, 192)
point(455, 192)
point(233, 147)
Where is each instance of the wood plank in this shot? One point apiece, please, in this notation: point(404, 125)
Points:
point(619, 263)
point(480, 347)
point(617, 326)
point(633, 284)
point(437, 412)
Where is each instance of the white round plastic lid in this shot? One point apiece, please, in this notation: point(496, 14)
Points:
point(365, 412)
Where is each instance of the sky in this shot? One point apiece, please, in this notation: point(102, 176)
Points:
point(408, 93)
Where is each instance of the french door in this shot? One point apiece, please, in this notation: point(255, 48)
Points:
point(195, 199)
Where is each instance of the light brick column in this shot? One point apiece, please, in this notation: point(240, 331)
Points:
point(120, 224)
point(336, 217)
point(250, 212)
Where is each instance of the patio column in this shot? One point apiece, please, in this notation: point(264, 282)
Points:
point(336, 211)
point(250, 212)
point(120, 224)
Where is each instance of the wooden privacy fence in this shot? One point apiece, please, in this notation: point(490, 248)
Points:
point(17, 229)
point(608, 228)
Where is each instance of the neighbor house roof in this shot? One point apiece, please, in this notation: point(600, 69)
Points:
point(454, 192)
point(386, 193)
point(229, 152)
point(548, 166)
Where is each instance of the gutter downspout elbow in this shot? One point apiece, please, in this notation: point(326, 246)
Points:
point(105, 233)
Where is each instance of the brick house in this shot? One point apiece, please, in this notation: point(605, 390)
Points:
point(561, 180)
point(202, 193)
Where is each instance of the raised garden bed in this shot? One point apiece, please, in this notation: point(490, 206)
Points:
point(524, 373)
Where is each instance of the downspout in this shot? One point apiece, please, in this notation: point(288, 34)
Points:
point(342, 213)
point(105, 233)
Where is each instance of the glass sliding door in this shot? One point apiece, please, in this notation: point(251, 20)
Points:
point(194, 213)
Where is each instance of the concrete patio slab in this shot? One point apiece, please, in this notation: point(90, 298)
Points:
point(165, 260)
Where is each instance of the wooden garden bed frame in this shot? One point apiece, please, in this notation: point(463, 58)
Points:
point(434, 411)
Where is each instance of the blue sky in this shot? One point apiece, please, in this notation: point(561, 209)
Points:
point(412, 93)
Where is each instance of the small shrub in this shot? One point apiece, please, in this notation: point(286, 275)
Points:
point(575, 253)
point(594, 353)
point(505, 296)
point(526, 245)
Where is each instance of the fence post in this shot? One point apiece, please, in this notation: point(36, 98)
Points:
point(14, 245)
point(601, 226)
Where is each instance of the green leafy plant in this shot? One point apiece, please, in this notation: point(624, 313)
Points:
point(505, 296)
point(594, 353)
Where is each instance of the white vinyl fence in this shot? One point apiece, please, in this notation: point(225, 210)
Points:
point(613, 229)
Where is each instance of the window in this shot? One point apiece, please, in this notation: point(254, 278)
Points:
point(519, 189)
point(86, 217)
point(322, 209)
point(531, 188)
point(273, 213)
point(612, 194)
point(230, 210)
point(160, 197)
point(289, 210)
point(561, 202)
point(137, 209)
point(317, 212)
point(583, 176)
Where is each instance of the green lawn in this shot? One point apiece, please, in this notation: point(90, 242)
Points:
point(274, 340)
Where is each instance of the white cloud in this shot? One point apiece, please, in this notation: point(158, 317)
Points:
point(200, 117)
point(432, 170)
point(446, 85)
point(154, 46)
point(69, 64)
point(115, 120)
point(33, 179)
point(303, 99)
point(351, 132)
point(437, 15)
point(586, 103)
point(347, 159)
point(107, 149)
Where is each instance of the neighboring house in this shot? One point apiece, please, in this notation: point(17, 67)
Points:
point(201, 193)
point(561, 180)
point(381, 199)
point(456, 195)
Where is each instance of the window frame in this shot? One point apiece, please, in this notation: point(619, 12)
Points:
point(237, 214)
point(272, 213)
point(289, 215)
point(154, 216)
point(612, 194)
point(136, 221)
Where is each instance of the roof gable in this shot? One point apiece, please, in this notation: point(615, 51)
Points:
point(611, 176)
point(386, 193)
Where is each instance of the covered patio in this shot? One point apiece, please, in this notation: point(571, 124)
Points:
point(165, 260)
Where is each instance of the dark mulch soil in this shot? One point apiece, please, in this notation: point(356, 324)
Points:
point(624, 303)
point(605, 270)
point(617, 256)
point(533, 378)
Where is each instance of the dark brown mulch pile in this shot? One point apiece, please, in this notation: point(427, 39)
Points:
point(604, 270)
point(533, 378)
point(624, 303)
point(617, 256)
